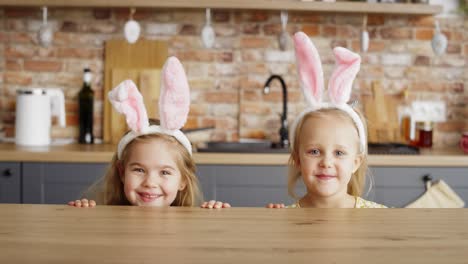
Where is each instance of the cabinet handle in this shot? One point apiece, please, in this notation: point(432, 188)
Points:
point(7, 173)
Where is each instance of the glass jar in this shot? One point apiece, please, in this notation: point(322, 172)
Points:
point(424, 132)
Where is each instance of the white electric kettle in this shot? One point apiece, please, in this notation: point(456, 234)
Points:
point(34, 110)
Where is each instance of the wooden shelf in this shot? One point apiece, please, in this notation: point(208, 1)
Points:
point(293, 5)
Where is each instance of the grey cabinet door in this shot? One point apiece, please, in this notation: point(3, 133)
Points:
point(10, 182)
point(58, 183)
point(246, 186)
point(399, 186)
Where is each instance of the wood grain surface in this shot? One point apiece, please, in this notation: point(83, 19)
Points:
point(113, 234)
point(119, 54)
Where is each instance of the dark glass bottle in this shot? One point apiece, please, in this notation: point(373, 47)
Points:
point(86, 109)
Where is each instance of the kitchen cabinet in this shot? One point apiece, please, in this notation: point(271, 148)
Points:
point(240, 185)
point(58, 183)
point(259, 185)
point(10, 182)
point(292, 5)
point(398, 186)
point(247, 185)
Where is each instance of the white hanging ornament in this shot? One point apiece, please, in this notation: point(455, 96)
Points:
point(132, 29)
point(439, 41)
point(45, 34)
point(208, 34)
point(283, 38)
point(364, 36)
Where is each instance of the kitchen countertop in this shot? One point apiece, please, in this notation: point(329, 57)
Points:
point(63, 234)
point(101, 153)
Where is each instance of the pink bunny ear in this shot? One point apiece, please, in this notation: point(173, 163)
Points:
point(341, 81)
point(309, 67)
point(127, 100)
point(174, 101)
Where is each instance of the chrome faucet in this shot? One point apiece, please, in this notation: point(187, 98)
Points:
point(284, 141)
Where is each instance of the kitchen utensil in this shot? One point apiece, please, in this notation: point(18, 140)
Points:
point(284, 38)
point(364, 35)
point(45, 34)
point(132, 29)
point(382, 116)
point(439, 41)
point(148, 82)
point(34, 110)
point(208, 34)
point(120, 54)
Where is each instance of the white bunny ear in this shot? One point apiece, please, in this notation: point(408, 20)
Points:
point(174, 101)
point(127, 100)
point(309, 67)
point(341, 81)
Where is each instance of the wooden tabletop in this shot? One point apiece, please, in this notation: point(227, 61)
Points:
point(102, 153)
point(116, 234)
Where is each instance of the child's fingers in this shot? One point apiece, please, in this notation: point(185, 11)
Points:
point(92, 203)
point(71, 203)
point(226, 205)
point(270, 205)
point(218, 205)
point(211, 204)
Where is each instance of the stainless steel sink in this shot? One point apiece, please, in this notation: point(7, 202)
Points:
point(242, 147)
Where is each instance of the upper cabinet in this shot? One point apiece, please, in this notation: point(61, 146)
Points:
point(293, 5)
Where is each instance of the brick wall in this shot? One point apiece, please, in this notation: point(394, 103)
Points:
point(227, 80)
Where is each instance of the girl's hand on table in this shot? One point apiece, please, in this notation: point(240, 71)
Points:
point(82, 203)
point(271, 205)
point(215, 205)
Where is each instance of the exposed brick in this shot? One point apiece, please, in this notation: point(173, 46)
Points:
point(18, 51)
point(347, 32)
point(104, 13)
point(187, 29)
point(301, 17)
point(167, 29)
point(454, 48)
point(224, 97)
point(311, 30)
point(42, 65)
point(225, 30)
point(425, 21)
point(329, 31)
point(252, 16)
point(422, 61)
point(254, 108)
point(254, 42)
point(69, 26)
point(424, 34)
point(192, 122)
point(196, 55)
point(19, 78)
point(13, 65)
point(375, 20)
point(251, 29)
point(254, 55)
point(81, 53)
point(225, 57)
point(20, 12)
point(220, 16)
point(251, 95)
point(396, 33)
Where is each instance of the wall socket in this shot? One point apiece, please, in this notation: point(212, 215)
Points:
point(434, 111)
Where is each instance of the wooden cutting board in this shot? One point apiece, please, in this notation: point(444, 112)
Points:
point(148, 82)
point(144, 55)
point(382, 116)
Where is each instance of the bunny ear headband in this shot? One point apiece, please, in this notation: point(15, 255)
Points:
point(339, 86)
point(174, 103)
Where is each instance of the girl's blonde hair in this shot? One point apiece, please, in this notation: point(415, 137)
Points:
point(110, 189)
point(358, 179)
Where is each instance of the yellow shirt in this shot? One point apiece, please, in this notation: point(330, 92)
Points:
point(360, 203)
